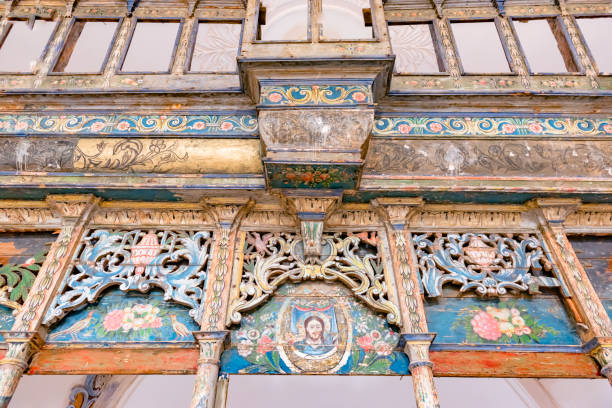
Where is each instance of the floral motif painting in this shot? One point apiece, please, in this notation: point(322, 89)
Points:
point(311, 176)
point(314, 327)
point(131, 317)
point(522, 321)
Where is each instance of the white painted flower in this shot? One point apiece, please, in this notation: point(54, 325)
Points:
point(245, 347)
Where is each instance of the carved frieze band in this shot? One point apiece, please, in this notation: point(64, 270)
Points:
point(125, 124)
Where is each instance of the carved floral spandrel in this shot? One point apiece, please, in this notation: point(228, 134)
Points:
point(271, 259)
point(175, 261)
point(489, 264)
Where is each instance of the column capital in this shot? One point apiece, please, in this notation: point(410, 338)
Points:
point(396, 212)
point(211, 344)
point(72, 207)
point(555, 210)
point(416, 346)
point(600, 348)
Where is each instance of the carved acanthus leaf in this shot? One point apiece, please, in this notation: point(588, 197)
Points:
point(434, 218)
point(153, 217)
point(28, 216)
point(71, 206)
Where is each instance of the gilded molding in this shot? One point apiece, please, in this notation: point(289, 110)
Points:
point(441, 217)
point(590, 216)
point(171, 217)
point(125, 124)
point(27, 214)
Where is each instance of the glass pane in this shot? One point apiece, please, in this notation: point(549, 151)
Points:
point(540, 46)
point(414, 48)
point(479, 47)
point(23, 46)
point(216, 48)
point(597, 33)
point(343, 20)
point(90, 49)
point(285, 20)
point(151, 47)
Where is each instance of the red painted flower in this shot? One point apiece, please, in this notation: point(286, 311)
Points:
point(486, 326)
point(308, 177)
point(265, 344)
point(508, 128)
point(435, 127)
point(535, 128)
point(21, 125)
point(607, 128)
point(198, 125)
point(365, 342)
point(383, 349)
point(97, 126)
point(113, 320)
point(275, 97)
point(123, 125)
point(404, 128)
point(227, 126)
point(359, 96)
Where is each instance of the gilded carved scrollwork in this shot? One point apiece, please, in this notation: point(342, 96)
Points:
point(271, 259)
point(490, 264)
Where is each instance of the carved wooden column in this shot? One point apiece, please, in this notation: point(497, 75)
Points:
point(584, 302)
point(394, 214)
point(24, 339)
point(211, 346)
point(228, 217)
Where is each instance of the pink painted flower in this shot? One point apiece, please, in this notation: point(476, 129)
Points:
point(435, 127)
point(375, 334)
point(265, 344)
point(606, 128)
point(21, 125)
point(123, 125)
point(156, 324)
point(365, 342)
point(508, 128)
point(404, 128)
point(275, 97)
point(383, 349)
point(113, 320)
point(227, 126)
point(97, 126)
point(199, 125)
point(359, 96)
point(535, 128)
point(28, 262)
point(485, 326)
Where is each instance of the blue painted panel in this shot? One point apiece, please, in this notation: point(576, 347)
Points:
point(6, 319)
point(126, 317)
point(314, 328)
point(526, 321)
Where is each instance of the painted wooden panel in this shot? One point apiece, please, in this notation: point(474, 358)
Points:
point(126, 317)
point(314, 328)
point(595, 254)
point(21, 255)
point(518, 321)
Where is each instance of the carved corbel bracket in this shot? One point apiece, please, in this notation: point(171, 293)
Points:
point(71, 207)
point(554, 211)
point(312, 212)
point(600, 348)
point(396, 212)
point(228, 213)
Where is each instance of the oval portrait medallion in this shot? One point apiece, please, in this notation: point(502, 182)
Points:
point(314, 334)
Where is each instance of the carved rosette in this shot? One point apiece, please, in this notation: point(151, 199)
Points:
point(490, 264)
point(272, 259)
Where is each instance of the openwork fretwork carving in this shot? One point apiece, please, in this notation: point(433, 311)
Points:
point(175, 261)
point(275, 258)
point(488, 263)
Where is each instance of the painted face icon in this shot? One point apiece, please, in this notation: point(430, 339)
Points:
point(314, 329)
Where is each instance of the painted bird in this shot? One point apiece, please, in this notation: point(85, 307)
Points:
point(179, 328)
point(74, 329)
